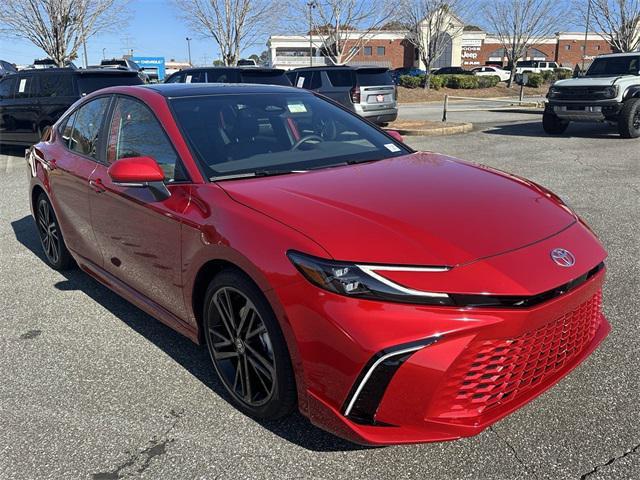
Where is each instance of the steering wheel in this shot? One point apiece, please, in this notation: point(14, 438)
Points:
point(306, 139)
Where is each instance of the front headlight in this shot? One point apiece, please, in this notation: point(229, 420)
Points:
point(553, 92)
point(363, 281)
point(610, 92)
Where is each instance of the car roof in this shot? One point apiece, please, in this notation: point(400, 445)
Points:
point(612, 55)
point(79, 71)
point(246, 68)
point(173, 90)
point(342, 67)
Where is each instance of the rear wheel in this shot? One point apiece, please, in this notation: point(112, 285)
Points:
point(553, 125)
point(629, 119)
point(247, 347)
point(55, 250)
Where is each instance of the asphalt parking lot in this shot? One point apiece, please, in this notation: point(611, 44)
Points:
point(91, 387)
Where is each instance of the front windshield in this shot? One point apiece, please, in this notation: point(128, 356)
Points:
point(274, 133)
point(611, 66)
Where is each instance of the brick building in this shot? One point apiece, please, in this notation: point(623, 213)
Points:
point(471, 48)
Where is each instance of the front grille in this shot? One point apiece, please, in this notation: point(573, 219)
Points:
point(493, 372)
point(581, 93)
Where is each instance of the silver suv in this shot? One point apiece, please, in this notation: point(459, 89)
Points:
point(608, 92)
point(368, 91)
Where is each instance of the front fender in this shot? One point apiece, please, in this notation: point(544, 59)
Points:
point(631, 92)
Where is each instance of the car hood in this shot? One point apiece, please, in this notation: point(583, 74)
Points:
point(588, 82)
point(418, 209)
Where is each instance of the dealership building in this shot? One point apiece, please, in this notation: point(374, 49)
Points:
point(470, 47)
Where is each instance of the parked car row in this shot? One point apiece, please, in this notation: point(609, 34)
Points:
point(32, 100)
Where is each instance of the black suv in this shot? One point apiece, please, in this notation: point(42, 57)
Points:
point(368, 91)
point(32, 100)
point(269, 76)
point(452, 71)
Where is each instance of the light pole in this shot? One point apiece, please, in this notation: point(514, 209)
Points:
point(103, 53)
point(311, 5)
point(586, 34)
point(189, 48)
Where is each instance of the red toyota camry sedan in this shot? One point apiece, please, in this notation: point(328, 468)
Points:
point(392, 296)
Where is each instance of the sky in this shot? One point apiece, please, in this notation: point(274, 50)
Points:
point(154, 29)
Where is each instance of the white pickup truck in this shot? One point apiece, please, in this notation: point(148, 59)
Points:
point(608, 92)
point(535, 66)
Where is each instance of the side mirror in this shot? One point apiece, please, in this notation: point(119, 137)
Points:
point(395, 135)
point(140, 172)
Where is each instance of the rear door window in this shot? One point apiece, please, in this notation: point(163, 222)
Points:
point(266, 78)
point(86, 127)
point(341, 78)
point(58, 85)
point(177, 78)
point(368, 78)
point(88, 83)
point(195, 77)
point(222, 75)
point(25, 87)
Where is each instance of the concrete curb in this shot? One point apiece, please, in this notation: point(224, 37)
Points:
point(436, 131)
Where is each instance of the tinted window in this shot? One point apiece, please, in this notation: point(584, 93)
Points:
point(135, 132)
point(88, 83)
point(367, 78)
point(341, 78)
point(269, 78)
point(6, 87)
point(176, 78)
point(25, 87)
point(86, 127)
point(232, 134)
point(221, 76)
point(292, 77)
point(56, 85)
point(195, 77)
point(614, 66)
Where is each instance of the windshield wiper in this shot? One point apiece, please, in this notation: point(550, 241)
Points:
point(257, 173)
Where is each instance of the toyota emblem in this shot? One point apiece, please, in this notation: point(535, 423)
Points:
point(563, 257)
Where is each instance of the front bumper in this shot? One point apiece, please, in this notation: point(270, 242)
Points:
point(585, 111)
point(472, 366)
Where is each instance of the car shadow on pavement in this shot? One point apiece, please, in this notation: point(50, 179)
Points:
point(195, 359)
point(534, 129)
point(12, 150)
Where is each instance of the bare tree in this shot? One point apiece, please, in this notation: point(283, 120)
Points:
point(618, 21)
point(431, 25)
point(341, 27)
point(59, 27)
point(518, 24)
point(233, 24)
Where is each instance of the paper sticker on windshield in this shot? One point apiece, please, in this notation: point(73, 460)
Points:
point(188, 79)
point(23, 85)
point(297, 107)
point(391, 147)
point(300, 82)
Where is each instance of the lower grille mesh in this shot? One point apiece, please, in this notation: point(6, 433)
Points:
point(497, 371)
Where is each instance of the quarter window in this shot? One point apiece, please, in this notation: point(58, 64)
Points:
point(6, 87)
point(86, 128)
point(135, 132)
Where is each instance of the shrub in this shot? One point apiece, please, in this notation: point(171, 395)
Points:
point(488, 81)
point(408, 81)
point(462, 81)
point(436, 81)
point(548, 75)
point(562, 74)
point(535, 80)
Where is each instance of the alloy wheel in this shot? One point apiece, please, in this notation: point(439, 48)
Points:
point(241, 348)
point(48, 230)
point(636, 119)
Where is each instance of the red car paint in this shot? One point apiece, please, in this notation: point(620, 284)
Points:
point(423, 209)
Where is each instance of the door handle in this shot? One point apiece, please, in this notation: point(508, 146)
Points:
point(97, 185)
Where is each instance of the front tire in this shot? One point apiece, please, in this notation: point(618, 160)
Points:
point(553, 125)
point(51, 239)
point(629, 119)
point(247, 347)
